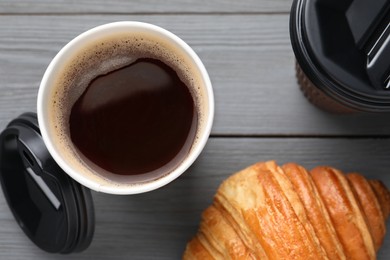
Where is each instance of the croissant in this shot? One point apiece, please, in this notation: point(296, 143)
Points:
point(271, 212)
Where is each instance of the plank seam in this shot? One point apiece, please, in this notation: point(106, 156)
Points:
point(298, 136)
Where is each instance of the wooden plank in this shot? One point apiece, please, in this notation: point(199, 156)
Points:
point(158, 224)
point(248, 57)
point(143, 6)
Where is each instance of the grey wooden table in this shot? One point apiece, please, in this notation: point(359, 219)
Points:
point(260, 113)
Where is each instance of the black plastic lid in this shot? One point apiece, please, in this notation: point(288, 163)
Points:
point(52, 209)
point(343, 46)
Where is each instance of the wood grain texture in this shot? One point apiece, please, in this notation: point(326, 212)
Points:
point(157, 225)
point(248, 57)
point(245, 47)
point(143, 6)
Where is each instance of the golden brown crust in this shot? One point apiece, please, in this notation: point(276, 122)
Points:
point(271, 212)
point(237, 197)
point(383, 196)
point(195, 250)
point(370, 206)
point(315, 210)
point(345, 213)
point(288, 223)
point(222, 236)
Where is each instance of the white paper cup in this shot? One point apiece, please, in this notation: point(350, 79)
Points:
point(64, 152)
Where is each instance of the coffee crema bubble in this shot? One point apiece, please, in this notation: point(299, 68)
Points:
point(105, 56)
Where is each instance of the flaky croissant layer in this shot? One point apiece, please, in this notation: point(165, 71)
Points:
point(271, 212)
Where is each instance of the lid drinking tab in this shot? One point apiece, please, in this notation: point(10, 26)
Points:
point(369, 22)
point(378, 60)
point(363, 17)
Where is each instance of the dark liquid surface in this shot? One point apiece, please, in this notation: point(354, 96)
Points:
point(135, 120)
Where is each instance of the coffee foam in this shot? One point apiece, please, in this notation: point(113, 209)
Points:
point(103, 56)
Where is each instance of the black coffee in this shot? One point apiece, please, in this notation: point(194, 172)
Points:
point(134, 120)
